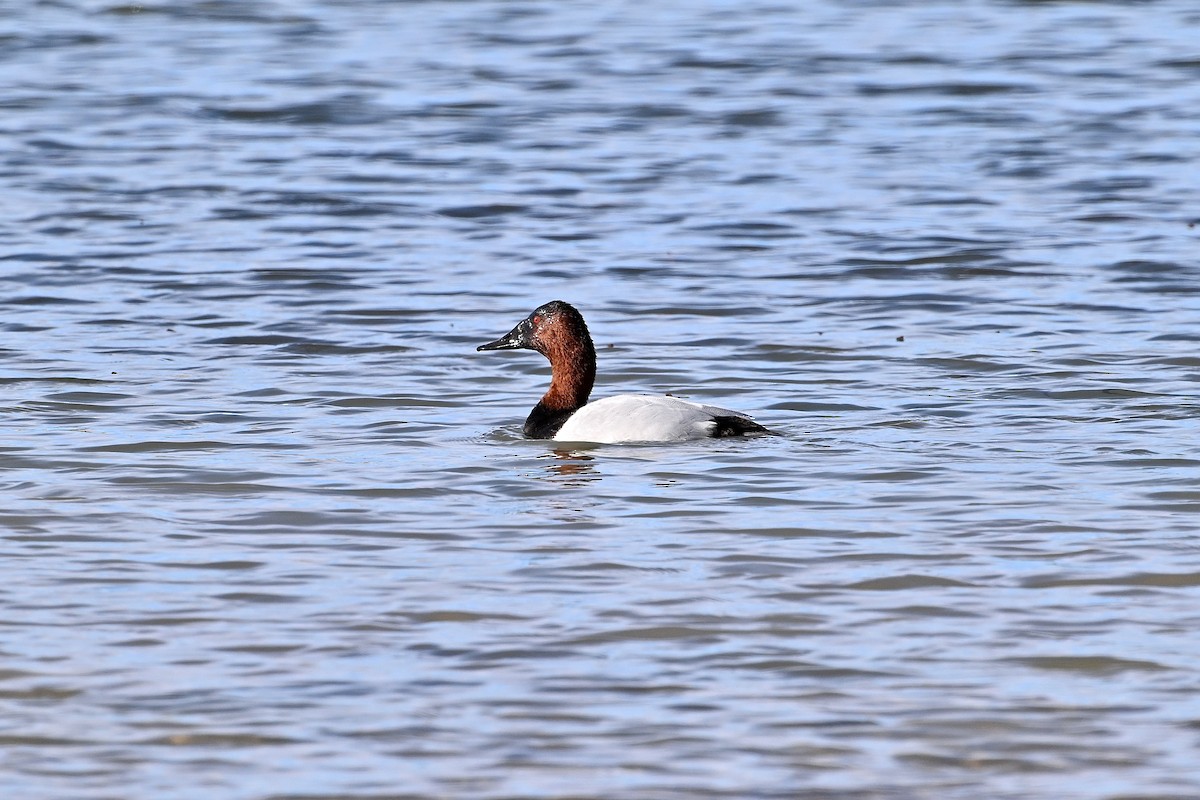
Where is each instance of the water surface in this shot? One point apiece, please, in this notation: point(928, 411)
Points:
point(269, 527)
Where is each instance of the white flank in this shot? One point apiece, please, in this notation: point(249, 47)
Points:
point(641, 418)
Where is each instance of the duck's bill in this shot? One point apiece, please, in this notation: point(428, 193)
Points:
point(503, 343)
point(515, 339)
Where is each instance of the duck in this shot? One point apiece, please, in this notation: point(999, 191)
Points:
point(557, 331)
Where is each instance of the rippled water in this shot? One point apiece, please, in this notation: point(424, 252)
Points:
point(270, 530)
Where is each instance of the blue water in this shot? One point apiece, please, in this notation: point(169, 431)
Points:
point(270, 529)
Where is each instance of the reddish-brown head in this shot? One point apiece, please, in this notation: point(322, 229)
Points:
point(557, 331)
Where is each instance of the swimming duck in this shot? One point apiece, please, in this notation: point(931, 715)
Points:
point(557, 331)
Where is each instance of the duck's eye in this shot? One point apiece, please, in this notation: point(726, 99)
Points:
point(537, 319)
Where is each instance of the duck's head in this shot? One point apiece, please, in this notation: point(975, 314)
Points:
point(547, 329)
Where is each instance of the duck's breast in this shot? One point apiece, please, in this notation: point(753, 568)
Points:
point(641, 418)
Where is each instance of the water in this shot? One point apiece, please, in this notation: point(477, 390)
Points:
point(269, 527)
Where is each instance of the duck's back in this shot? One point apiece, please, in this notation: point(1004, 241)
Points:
point(652, 418)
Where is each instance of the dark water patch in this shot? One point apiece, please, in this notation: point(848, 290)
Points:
point(1112, 218)
point(76, 411)
point(906, 583)
point(652, 111)
point(963, 89)
point(1090, 665)
point(971, 363)
point(258, 597)
point(222, 741)
point(1155, 463)
point(699, 62)
point(450, 615)
point(88, 398)
point(309, 278)
point(754, 118)
point(1139, 579)
point(218, 565)
point(63, 39)
point(568, 237)
point(323, 203)
point(1176, 337)
point(392, 402)
point(182, 446)
point(332, 349)
point(957, 200)
point(1074, 394)
point(41, 694)
point(1153, 269)
point(757, 230)
point(47, 300)
point(201, 483)
point(819, 407)
point(258, 339)
point(932, 611)
point(889, 476)
point(482, 211)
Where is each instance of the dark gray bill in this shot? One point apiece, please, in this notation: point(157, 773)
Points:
point(515, 339)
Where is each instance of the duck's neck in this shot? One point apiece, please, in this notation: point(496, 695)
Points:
point(572, 373)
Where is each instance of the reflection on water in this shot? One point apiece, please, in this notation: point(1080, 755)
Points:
point(269, 530)
point(574, 468)
point(566, 475)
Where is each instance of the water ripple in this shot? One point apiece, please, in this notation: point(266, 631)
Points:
point(270, 527)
